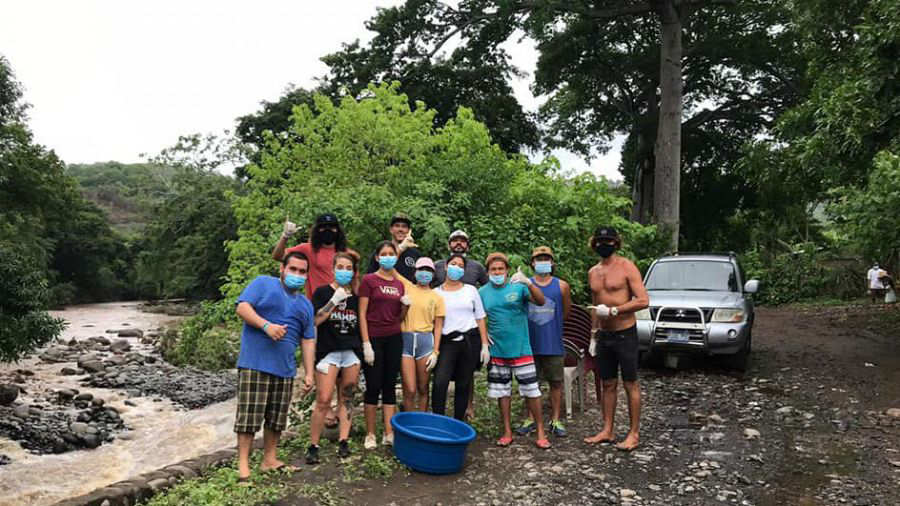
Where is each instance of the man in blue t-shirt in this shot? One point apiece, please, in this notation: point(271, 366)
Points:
point(277, 316)
point(545, 329)
point(506, 305)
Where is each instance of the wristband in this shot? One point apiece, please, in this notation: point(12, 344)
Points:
point(264, 326)
point(614, 311)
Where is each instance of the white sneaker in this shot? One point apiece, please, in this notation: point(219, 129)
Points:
point(388, 439)
point(371, 443)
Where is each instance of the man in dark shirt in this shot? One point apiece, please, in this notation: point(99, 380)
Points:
point(401, 235)
point(474, 275)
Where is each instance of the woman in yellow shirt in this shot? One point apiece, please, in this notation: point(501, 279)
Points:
point(423, 321)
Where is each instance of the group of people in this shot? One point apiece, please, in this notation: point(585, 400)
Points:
point(426, 322)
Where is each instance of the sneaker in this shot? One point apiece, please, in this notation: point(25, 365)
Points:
point(527, 427)
point(312, 455)
point(371, 443)
point(558, 429)
point(343, 449)
point(388, 439)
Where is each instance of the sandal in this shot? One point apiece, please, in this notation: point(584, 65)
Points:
point(543, 444)
point(504, 441)
point(244, 481)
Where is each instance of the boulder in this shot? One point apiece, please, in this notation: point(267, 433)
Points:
point(68, 371)
point(131, 333)
point(8, 394)
point(120, 346)
point(65, 395)
point(92, 366)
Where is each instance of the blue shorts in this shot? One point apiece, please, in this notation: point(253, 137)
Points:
point(417, 345)
point(341, 359)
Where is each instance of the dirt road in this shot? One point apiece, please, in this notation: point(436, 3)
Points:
point(806, 424)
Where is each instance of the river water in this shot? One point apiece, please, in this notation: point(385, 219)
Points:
point(162, 434)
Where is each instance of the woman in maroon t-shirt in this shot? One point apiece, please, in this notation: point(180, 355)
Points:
point(382, 307)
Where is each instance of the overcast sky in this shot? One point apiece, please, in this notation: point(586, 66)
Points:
point(109, 80)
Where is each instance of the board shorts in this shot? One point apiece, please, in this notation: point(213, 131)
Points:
point(617, 350)
point(501, 372)
point(262, 399)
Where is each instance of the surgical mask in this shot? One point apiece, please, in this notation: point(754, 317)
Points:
point(424, 277)
point(294, 282)
point(543, 267)
point(455, 272)
point(327, 236)
point(388, 262)
point(498, 279)
point(605, 250)
point(343, 277)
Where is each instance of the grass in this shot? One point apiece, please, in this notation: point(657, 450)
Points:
point(220, 487)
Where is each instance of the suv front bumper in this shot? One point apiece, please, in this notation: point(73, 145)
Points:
point(703, 338)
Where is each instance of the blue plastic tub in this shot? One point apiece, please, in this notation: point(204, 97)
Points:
point(430, 443)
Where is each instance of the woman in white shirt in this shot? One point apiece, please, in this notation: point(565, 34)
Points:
point(464, 319)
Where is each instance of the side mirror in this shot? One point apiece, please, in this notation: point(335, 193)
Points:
point(751, 286)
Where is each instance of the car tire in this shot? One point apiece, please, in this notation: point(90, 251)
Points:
point(652, 359)
point(740, 360)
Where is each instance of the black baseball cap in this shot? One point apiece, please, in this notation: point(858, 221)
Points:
point(400, 218)
point(605, 232)
point(326, 219)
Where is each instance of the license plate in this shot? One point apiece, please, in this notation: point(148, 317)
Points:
point(679, 336)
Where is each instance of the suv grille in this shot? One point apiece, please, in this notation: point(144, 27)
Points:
point(677, 315)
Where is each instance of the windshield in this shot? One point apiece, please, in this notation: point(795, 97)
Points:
point(703, 275)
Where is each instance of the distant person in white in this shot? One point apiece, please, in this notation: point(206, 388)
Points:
point(876, 287)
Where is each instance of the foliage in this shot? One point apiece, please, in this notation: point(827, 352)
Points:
point(208, 340)
point(803, 275)
point(869, 216)
point(24, 325)
point(221, 487)
point(366, 159)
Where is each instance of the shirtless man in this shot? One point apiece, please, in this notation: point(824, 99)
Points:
point(617, 291)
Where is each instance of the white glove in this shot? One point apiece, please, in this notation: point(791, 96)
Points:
point(485, 356)
point(592, 348)
point(407, 243)
point(405, 300)
point(518, 277)
point(432, 361)
point(339, 296)
point(602, 310)
point(368, 353)
point(290, 229)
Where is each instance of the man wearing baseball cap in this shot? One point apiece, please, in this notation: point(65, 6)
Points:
point(407, 249)
point(545, 331)
point(326, 237)
point(617, 291)
point(474, 274)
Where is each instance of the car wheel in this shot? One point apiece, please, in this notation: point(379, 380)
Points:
point(740, 360)
point(652, 359)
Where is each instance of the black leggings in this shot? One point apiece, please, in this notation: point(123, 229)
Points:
point(454, 362)
point(381, 378)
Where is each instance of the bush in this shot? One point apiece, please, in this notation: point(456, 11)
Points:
point(24, 323)
point(209, 340)
point(801, 276)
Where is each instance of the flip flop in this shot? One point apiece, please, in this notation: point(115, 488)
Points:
point(244, 481)
point(283, 467)
point(543, 444)
point(626, 449)
point(504, 441)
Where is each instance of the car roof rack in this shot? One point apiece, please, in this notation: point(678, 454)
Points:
point(731, 254)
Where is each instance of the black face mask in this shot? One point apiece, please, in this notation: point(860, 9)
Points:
point(327, 236)
point(605, 250)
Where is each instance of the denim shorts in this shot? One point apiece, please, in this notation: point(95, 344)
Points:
point(342, 359)
point(417, 344)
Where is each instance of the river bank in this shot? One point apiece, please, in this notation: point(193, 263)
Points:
point(99, 405)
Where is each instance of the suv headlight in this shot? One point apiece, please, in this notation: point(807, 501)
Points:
point(643, 314)
point(727, 315)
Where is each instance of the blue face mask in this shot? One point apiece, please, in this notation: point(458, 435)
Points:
point(424, 277)
point(543, 267)
point(498, 279)
point(455, 272)
point(294, 282)
point(343, 278)
point(387, 263)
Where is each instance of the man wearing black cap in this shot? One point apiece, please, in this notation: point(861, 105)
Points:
point(326, 237)
point(401, 235)
point(617, 292)
point(474, 273)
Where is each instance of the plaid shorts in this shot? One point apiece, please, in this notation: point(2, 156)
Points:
point(501, 371)
point(262, 396)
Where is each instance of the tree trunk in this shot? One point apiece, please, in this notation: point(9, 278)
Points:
point(667, 180)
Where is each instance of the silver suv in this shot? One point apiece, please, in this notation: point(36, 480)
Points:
point(698, 304)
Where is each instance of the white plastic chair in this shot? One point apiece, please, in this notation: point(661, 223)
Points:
point(574, 377)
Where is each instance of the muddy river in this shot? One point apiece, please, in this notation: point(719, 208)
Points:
point(162, 433)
